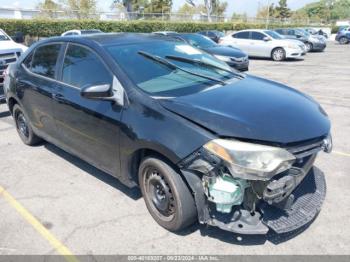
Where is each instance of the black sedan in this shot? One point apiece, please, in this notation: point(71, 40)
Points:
point(234, 57)
point(204, 143)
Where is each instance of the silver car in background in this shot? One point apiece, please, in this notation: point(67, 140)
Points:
point(260, 43)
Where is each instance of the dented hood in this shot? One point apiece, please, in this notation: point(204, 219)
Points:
point(254, 108)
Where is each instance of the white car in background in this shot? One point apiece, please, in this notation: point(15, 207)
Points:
point(259, 43)
point(78, 32)
point(10, 51)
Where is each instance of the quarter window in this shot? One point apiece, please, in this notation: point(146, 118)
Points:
point(28, 61)
point(82, 67)
point(45, 59)
point(242, 35)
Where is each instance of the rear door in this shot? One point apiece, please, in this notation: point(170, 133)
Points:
point(88, 128)
point(36, 83)
point(242, 41)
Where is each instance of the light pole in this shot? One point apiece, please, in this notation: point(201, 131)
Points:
point(268, 14)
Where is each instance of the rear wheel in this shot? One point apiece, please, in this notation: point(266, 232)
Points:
point(343, 40)
point(166, 195)
point(24, 128)
point(278, 54)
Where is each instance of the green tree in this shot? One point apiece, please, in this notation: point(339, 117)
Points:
point(219, 8)
point(327, 10)
point(210, 7)
point(187, 9)
point(80, 8)
point(282, 10)
point(49, 8)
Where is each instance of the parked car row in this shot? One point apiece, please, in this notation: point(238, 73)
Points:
point(234, 57)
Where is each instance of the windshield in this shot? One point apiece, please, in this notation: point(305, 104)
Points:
point(303, 32)
point(273, 34)
point(161, 80)
point(3, 36)
point(198, 40)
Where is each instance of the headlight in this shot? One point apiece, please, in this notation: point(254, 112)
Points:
point(292, 46)
point(223, 58)
point(251, 161)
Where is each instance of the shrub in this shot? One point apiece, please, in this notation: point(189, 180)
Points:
point(47, 28)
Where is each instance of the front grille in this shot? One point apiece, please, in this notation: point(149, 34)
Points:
point(5, 60)
point(306, 149)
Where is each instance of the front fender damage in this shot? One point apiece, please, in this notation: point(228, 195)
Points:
point(285, 203)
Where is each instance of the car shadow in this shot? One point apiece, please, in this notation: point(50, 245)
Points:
point(289, 60)
point(205, 231)
point(133, 193)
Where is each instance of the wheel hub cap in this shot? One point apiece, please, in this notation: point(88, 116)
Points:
point(160, 193)
point(22, 125)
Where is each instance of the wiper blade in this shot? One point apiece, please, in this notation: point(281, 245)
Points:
point(172, 66)
point(199, 62)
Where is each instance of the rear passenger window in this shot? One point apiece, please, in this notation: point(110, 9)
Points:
point(241, 35)
point(45, 59)
point(82, 67)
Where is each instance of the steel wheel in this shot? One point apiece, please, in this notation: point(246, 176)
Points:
point(167, 197)
point(159, 192)
point(278, 54)
point(22, 125)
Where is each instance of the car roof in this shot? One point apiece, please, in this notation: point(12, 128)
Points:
point(106, 39)
point(252, 30)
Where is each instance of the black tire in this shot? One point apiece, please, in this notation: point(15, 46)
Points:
point(278, 54)
point(343, 40)
point(166, 195)
point(309, 46)
point(24, 127)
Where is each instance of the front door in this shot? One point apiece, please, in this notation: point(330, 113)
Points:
point(258, 46)
point(88, 128)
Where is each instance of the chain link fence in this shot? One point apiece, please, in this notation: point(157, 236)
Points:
point(119, 15)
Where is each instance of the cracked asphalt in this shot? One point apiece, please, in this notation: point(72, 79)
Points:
point(90, 212)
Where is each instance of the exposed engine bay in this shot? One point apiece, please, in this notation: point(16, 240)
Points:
point(232, 197)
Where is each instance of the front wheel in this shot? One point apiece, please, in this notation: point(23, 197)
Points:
point(278, 54)
point(166, 195)
point(343, 40)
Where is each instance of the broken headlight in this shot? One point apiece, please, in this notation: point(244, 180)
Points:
point(251, 161)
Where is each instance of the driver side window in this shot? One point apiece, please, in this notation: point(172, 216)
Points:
point(258, 36)
point(82, 67)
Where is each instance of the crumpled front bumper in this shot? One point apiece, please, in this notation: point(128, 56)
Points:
point(308, 198)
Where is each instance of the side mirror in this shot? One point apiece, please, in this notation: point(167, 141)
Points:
point(266, 39)
point(97, 92)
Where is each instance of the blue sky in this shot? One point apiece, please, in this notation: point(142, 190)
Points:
point(238, 6)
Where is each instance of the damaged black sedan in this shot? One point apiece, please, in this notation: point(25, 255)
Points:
point(204, 143)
